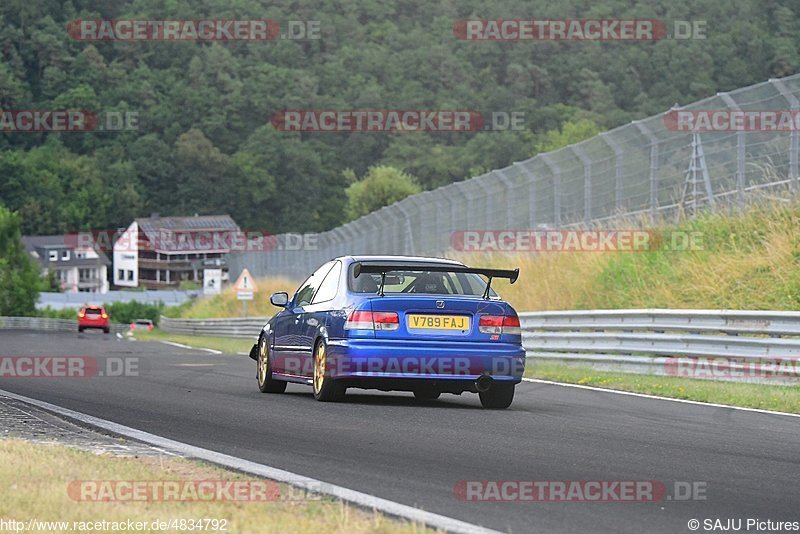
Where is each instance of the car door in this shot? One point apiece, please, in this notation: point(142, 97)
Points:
point(292, 346)
point(315, 315)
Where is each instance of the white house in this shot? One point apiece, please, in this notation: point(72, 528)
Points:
point(161, 252)
point(78, 268)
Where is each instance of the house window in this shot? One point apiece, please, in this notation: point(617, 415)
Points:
point(120, 275)
point(130, 275)
point(65, 255)
point(53, 255)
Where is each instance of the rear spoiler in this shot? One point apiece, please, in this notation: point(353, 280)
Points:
point(383, 268)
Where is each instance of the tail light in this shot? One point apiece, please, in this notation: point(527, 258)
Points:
point(149, 327)
point(104, 316)
point(133, 326)
point(499, 324)
point(81, 315)
point(367, 320)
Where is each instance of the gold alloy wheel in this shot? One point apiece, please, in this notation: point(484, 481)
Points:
point(263, 362)
point(319, 368)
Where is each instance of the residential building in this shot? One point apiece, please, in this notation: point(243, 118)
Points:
point(161, 252)
point(78, 268)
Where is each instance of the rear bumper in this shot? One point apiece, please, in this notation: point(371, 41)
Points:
point(94, 324)
point(371, 360)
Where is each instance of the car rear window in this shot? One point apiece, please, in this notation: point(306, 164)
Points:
point(420, 281)
point(93, 311)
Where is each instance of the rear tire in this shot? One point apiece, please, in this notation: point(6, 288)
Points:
point(326, 389)
point(267, 384)
point(80, 329)
point(498, 397)
point(106, 330)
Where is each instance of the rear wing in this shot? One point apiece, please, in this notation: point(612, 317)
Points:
point(383, 268)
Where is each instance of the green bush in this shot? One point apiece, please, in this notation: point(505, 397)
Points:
point(128, 312)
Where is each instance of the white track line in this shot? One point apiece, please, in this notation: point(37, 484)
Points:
point(182, 346)
point(644, 395)
point(358, 498)
point(179, 345)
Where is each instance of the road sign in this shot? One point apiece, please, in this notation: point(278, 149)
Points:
point(245, 286)
point(212, 281)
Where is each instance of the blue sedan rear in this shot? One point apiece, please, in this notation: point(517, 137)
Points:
point(425, 325)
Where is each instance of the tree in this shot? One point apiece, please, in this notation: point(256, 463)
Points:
point(380, 187)
point(19, 277)
point(570, 133)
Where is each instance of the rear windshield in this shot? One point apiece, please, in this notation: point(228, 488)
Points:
point(93, 311)
point(420, 282)
point(144, 322)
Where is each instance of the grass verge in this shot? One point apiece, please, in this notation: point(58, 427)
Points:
point(35, 480)
point(225, 344)
point(761, 396)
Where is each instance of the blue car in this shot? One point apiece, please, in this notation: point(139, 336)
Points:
point(425, 325)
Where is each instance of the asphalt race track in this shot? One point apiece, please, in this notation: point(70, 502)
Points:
point(392, 446)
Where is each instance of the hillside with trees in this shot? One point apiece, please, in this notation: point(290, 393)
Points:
point(204, 143)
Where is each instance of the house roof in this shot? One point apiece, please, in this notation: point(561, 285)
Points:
point(39, 246)
point(158, 229)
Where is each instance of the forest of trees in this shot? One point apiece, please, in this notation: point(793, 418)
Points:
point(204, 142)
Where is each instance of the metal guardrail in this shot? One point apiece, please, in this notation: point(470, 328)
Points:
point(641, 341)
point(650, 340)
point(238, 327)
point(48, 325)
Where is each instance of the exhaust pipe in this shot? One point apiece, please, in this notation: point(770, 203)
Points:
point(483, 383)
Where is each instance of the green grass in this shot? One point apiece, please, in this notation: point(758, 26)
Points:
point(741, 261)
point(225, 344)
point(761, 396)
point(37, 478)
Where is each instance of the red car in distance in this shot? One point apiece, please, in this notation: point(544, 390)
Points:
point(93, 317)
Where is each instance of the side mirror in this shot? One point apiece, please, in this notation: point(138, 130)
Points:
point(279, 299)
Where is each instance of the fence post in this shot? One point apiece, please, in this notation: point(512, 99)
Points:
point(740, 150)
point(653, 169)
point(794, 145)
point(531, 193)
point(618, 152)
point(507, 185)
point(556, 172)
point(406, 223)
point(587, 182)
point(468, 213)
